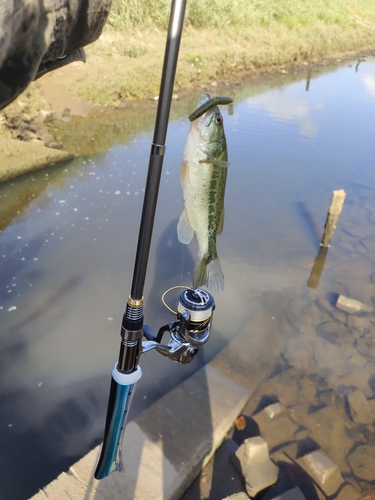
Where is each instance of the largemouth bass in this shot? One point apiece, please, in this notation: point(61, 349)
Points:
point(203, 180)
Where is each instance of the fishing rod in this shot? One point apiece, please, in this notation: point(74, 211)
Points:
point(191, 328)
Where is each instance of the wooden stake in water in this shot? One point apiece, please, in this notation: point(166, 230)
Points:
point(317, 269)
point(334, 211)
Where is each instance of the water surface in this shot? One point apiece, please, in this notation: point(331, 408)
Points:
point(68, 239)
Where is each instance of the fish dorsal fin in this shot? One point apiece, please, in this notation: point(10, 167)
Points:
point(184, 231)
point(221, 223)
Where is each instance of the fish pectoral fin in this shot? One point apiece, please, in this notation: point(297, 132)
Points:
point(220, 226)
point(185, 232)
point(217, 163)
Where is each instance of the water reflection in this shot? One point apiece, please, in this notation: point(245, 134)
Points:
point(68, 239)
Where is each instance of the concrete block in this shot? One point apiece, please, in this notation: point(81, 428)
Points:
point(352, 306)
point(257, 468)
point(274, 411)
point(294, 494)
point(322, 470)
point(359, 407)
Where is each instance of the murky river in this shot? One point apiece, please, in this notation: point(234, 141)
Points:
point(68, 239)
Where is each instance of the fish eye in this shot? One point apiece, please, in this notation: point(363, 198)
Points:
point(218, 120)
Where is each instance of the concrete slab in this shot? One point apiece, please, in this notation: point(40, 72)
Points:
point(165, 447)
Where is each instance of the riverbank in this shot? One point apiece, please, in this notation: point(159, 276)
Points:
point(125, 64)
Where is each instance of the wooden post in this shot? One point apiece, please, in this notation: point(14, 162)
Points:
point(317, 269)
point(334, 211)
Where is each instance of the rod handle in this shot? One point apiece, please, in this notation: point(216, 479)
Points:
point(122, 389)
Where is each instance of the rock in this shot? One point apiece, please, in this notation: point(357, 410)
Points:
point(47, 138)
point(362, 462)
point(358, 324)
point(275, 426)
point(371, 404)
point(273, 411)
point(294, 494)
point(328, 430)
point(253, 461)
point(366, 345)
point(335, 332)
point(54, 145)
point(237, 496)
point(359, 407)
point(352, 306)
point(370, 366)
point(298, 354)
point(322, 470)
point(284, 386)
point(348, 492)
point(37, 141)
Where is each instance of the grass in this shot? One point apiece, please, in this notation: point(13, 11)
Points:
point(221, 40)
point(223, 14)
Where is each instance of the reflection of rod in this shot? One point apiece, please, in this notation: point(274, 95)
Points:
point(334, 211)
point(308, 80)
point(317, 269)
point(357, 65)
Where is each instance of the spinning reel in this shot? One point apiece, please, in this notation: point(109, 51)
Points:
point(191, 329)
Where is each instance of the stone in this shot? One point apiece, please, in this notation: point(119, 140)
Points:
point(358, 324)
point(352, 306)
point(370, 366)
point(257, 468)
point(322, 470)
point(294, 494)
point(298, 354)
point(335, 332)
point(285, 386)
point(275, 426)
point(359, 407)
point(348, 492)
point(362, 461)
point(366, 345)
point(47, 138)
point(371, 404)
point(328, 429)
point(274, 410)
point(238, 496)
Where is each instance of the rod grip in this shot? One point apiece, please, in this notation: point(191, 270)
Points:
point(122, 389)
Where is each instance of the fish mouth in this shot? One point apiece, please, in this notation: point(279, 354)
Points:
point(207, 103)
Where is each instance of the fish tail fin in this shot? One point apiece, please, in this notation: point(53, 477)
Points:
point(208, 273)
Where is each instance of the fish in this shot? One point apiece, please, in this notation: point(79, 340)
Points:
point(203, 180)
